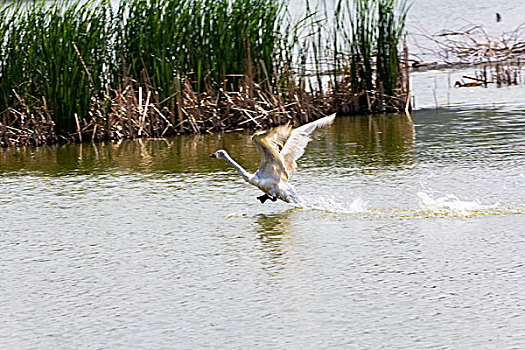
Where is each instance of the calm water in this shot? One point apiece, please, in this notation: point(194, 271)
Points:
point(412, 236)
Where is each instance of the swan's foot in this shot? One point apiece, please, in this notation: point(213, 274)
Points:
point(265, 197)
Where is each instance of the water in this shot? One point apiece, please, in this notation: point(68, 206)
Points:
point(411, 236)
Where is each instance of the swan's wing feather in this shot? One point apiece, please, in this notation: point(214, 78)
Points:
point(276, 137)
point(269, 142)
point(299, 138)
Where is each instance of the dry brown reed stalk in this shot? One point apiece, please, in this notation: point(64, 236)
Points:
point(21, 125)
point(136, 112)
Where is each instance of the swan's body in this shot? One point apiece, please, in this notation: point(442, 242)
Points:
point(277, 166)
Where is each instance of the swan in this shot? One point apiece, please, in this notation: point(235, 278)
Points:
point(277, 165)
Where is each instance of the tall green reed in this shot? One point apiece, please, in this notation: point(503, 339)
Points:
point(54, 54)
point(206, 41)
point(357, 41)
point(376, 28)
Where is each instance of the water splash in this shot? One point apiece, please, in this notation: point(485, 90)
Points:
point(431, 204)
point(335, 206)
point(450, 205)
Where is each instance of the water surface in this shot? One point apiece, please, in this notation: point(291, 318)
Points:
point(411, 236)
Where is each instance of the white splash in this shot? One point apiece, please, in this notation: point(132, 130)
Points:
point(449, 204)
point(335, 206)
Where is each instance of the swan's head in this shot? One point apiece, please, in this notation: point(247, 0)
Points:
point(219, 154)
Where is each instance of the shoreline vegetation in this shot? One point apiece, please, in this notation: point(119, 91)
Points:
point(78, 71)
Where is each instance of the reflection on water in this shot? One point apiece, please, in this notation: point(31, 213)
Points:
point(273, 226)
point(362, 140)
point(275, 232)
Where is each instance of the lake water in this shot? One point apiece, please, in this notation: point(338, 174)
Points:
point(411, 236)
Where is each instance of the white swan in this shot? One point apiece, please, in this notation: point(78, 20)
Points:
point(276, 166)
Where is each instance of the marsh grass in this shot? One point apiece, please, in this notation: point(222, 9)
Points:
point(162, 41)
point(53, 57)
point(78, 70)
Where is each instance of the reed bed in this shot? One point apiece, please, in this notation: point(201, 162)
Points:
point(78, 70)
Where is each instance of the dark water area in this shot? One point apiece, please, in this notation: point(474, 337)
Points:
point(411, 236)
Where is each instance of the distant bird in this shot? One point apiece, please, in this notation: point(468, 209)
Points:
point(468, 84)
point(277, 166)
point(417, 64)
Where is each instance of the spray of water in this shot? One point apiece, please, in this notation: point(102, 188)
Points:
point(429, 204)
point(449, 205)
point(335, 206)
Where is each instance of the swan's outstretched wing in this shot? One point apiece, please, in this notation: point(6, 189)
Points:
point(299, 138)
point(269, 142)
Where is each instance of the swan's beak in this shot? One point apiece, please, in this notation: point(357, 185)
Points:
point(213, 155)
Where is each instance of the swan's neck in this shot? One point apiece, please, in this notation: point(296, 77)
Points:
point(245, 175)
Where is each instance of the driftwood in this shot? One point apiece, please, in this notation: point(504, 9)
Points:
point(473, 44)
